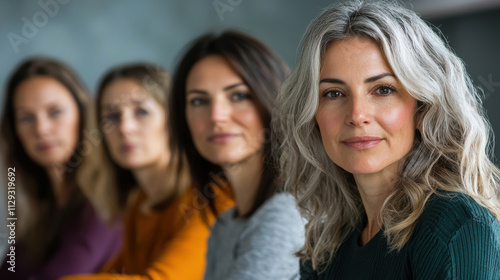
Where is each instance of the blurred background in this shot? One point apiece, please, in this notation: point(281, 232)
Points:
point(94, 35)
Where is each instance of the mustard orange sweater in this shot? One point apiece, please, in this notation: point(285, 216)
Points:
point(166, 244)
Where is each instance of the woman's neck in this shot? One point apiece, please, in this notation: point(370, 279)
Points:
point(244, 178)
point(60, 186)
point(374, 190)
point(153, 180)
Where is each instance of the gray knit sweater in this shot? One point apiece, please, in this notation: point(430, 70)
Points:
point(261, 247)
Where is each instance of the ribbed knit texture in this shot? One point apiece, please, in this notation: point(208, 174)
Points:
point(455, 238)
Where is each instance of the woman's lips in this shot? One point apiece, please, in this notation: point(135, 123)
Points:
point(127, 148)
point(221, 138)
point(362, 142)
point(44, 147)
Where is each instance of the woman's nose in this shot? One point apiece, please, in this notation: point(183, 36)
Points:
point(127, 123)
point(43, 125)
point(221, 110)
point(359, 112)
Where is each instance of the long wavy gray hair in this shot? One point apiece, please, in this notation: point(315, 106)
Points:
point(452, 145)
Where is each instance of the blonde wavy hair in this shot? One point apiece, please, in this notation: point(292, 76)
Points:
point(452, 145)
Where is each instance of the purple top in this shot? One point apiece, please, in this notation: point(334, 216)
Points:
point(85, 245)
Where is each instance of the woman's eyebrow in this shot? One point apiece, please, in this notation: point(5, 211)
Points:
point(108, 107)
point(198, 91)
point(233, 86)
point(378, 77)
point(367, 80)
point(332, 81)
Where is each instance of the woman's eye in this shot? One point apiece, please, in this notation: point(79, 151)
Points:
point(333, 94)
point(385, 90)
point(240, 96)
point(142, 112)
point(198, 101)
point(55, 112)
point(113, 117)
point(26, 119)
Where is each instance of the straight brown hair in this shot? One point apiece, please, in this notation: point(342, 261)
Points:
point(262, 70)
point(39, 231)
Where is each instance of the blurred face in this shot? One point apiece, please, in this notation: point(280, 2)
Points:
point(47, 120)
point(364, 114)
point(136, 128)
point(221, 113)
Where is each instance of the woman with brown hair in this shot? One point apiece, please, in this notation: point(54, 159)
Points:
point(223, 95)
point(165, 230)
point(42, 134)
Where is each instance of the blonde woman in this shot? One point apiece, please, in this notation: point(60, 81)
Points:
point(385, 146)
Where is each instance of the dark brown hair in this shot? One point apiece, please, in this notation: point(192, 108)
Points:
point(42, 233)
point(262, 71)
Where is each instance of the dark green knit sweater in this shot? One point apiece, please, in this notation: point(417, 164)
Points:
point(455, 238)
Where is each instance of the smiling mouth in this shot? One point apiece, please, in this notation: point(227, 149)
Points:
point(221, 138)
point(361, 143)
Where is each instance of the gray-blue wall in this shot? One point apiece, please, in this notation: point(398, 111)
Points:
point(476, 39)
point(95, 35)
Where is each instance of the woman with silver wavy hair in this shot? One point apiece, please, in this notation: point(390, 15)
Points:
point(386, 147)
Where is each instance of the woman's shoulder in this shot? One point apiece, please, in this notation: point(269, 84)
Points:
point(279, 211)
point(446, 213)
point(455, 236)
point(89, 221)
point(278, 205)
point(455, 206)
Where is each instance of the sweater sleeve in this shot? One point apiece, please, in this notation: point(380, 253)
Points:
point(266, 250)
point(475, 251)
point(183, 258)
point(472, 252)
